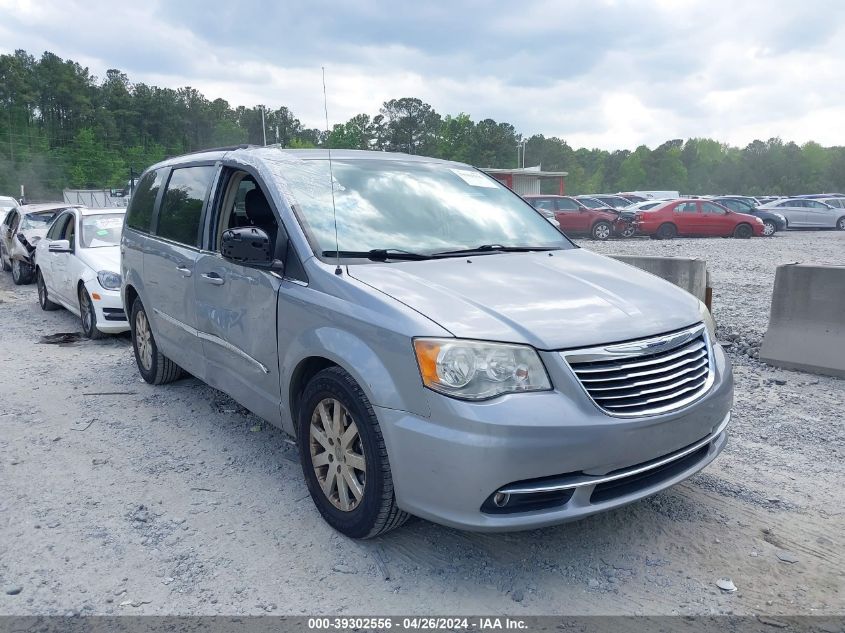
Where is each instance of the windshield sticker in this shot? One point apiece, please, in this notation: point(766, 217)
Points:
point(474, 178)
point(108, 223)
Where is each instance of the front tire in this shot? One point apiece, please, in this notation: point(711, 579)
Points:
point(43, 299)
point(743, 231)
point(88, 316)
point(155, 367)
point(344, 458)
point(628, 231)
point(21, 273)
point(601, 231)
point(769, 228)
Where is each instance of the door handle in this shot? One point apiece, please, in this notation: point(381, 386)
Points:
point(186, 272)
point(213, 278)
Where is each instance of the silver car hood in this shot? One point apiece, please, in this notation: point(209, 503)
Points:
point(567, 299)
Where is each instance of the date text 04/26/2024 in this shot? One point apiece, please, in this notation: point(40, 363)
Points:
point(418, 623)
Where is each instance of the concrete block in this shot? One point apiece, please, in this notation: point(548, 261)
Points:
point(685, 272)
point(807, 320)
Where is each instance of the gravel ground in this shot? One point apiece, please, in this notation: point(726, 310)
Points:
point(175, 500)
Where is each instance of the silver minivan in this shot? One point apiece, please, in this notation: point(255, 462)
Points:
point(435, 346)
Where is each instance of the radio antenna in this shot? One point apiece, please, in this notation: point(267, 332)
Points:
point(338, 270)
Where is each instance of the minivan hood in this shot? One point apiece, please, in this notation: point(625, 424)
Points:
point(551, 300)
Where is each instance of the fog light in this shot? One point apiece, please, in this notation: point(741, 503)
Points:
point(500, 499)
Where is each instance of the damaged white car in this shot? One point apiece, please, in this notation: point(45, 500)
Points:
point(20, 231)
point(77, 266)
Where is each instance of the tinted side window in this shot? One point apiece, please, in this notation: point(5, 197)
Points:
point(139, 215)
point(686, 207)
point(712, 209)
point(543, 203)
point(181, 208)
point(566, 204)
point(57, 227)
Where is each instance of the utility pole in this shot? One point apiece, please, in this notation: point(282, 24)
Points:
point(263, 127)
point(11, 147)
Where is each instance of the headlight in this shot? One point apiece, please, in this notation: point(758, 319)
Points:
point(473, 370)
point(780, 217)
point(709, 323)
point(109, 280)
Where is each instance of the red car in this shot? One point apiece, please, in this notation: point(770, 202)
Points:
point(576, 218)
point(693, 217)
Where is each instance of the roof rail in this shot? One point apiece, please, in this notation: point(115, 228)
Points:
point(228, 148)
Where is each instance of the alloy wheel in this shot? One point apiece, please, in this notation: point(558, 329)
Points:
point(16, 270)
point(143, 340)
point(85, 310)
point(841, 224)
point(337, 454)
point(42, 290)
point(601, 232)
point(768, 229)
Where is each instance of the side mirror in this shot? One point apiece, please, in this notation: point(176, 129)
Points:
point(247, 245)
point(59, 246)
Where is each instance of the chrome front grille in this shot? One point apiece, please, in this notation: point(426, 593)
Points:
point(648, 376)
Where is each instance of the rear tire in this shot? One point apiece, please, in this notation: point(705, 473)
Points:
point(154, 366)
point(601, 231)
point(743, 231)
point(43, 299)
point(667, 231)
point(21, 273)
point(840, 223)
point(336, 424)
point(769, 228)
point(88, 316)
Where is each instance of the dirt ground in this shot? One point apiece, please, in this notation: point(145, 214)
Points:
point(174, 500)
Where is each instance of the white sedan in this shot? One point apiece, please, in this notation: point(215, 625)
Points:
point(77, 267)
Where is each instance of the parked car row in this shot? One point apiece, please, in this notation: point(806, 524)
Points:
point(73, 255)
point(603, 216)
point(435, 346)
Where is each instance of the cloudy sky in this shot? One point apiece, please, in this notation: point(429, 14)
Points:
point(599, 73)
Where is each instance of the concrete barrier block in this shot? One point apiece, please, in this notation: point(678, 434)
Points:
point(807, 320)
point(685, 272)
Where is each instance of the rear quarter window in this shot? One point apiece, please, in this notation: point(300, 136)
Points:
point(139, 215)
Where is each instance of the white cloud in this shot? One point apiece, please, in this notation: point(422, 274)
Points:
point(610, 74)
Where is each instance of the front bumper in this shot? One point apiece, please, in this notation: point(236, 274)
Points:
point(111, 317)
point(447, 468)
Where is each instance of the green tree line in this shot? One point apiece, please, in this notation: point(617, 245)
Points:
point(62, 127)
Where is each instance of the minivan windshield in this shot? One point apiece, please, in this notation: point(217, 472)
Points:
point(412, 207)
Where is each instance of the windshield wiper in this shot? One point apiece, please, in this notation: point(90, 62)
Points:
point(379, 254)
point(496, 248)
